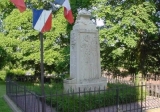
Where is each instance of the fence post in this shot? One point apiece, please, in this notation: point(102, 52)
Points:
point(141, 96)
point(7, 88)
point(16, 93)
point(156, 90)
point(43, 104)
point(145, 94)
point(117, 98)
point(25, 99)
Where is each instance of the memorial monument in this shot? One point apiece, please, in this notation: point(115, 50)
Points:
point(85, 67)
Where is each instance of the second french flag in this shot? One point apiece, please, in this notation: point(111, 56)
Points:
point(42, 20)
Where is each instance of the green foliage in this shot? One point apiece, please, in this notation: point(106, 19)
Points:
point(87, 100)
point(10, 52)
point(23, 42)
point(92, 100)
point(3, 75)
point(15, 72)
point(3, 57)
point(56, 41)
point(6, 46)
point(129, 38)
point(127, 34)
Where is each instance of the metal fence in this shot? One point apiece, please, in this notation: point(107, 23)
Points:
point(153, 96)
point(119, 99)
point(152, 89)
point(152, 86)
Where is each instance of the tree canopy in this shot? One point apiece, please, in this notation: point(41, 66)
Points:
point(130, 34)
point(25, 49)
point(128, 39)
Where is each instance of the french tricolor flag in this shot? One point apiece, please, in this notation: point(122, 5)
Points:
point(67, 9)
point(42, 20)
point(19, 4)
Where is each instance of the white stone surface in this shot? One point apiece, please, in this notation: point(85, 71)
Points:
point(85, 70)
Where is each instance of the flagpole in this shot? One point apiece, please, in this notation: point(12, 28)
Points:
point(42, 72)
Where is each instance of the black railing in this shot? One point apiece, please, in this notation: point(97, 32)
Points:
point(120, 99)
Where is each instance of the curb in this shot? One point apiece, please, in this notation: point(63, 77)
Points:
point(11, 104)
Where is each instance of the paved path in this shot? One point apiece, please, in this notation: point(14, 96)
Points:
point(30, 103)
point(153, 110)
point(33, 105)
point(146, 106)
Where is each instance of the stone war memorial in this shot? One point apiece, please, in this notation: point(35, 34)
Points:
point(85, 67)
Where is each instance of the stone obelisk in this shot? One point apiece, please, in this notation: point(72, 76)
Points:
point(85, 67)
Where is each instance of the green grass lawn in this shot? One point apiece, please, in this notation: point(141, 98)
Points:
point(3, 105)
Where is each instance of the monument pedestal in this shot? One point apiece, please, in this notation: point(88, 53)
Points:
point(85, 67)
point(70, 85)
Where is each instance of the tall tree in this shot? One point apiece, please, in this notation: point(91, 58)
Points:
point(18, 26)
point(129, 30)
point(27, 43)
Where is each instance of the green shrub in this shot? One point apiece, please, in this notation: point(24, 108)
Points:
point(18, 72)
point(15, 72)
point(75, 103)
point(64, 102)
point(121, 94)
point(3, 75)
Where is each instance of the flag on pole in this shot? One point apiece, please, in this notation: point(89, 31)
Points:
point(67, 9)
point(42, 20)
point(19, 4)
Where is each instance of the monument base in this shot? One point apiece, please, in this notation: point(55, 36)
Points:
point(70, 85)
